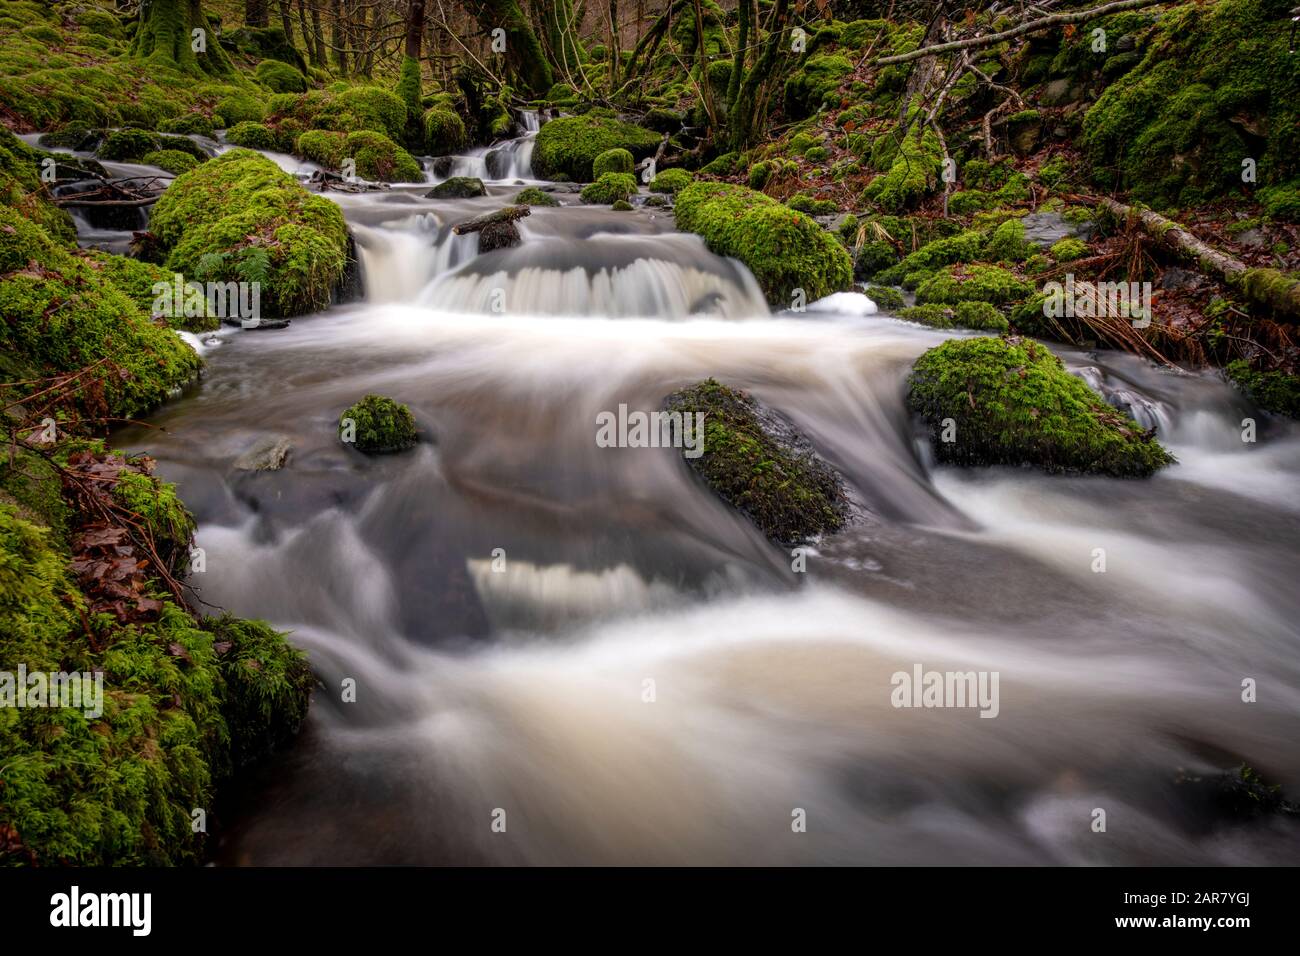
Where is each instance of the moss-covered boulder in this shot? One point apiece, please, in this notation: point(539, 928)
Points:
point(671, 181)
point(610, 188)
point(172, 160)
point(964, 315)
point(759, 463)
point(255, 136)
point(241, 218)
point(378, 425)
point(1010, 401)
point(612, 161)
point(444, 131)
point(1217, 84)
point(1271, 389)
point(376, 157)
point(783, 248)
point(570, 145)
point(458, 187)
point(280, 77)
point(532, 196)
point(973, 283)
point(913, 172)
point(125, 145)
point(62, 314)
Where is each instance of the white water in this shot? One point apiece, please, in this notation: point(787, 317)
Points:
point(502, 594)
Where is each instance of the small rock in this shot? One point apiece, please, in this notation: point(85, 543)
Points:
point(1252, 239)
point(269, 454)
point(458, 187)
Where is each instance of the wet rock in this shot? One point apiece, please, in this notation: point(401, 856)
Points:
point(1176, 278)
point(1046, 229)
point(268, 454)
point(756, 460)
point(441, 165)
point(1252, 239)
point(458, 187)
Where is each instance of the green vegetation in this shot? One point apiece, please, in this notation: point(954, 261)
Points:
point(256, 136)
point(444, 132)
point(973, 283)
point(377, 425)
point(241, 218)
point(458, 187)
point(610, 188)
point(1274, 391)
point(964, 315)
point(1011, 402)
point(571, 144)
point(532, 196)
point(783, 248)
point(376, 156)
point(612, 161)
point(280, 77)
point(172, 160)
point(779, 483)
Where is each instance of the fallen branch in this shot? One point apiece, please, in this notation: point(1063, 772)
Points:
point(503, 215)
point(1033, 26)
point(1269, 288)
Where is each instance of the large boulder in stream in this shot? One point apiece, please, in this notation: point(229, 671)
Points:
point(496, 230)
point(784, 249)
point(569, 146)
point(755, 459)
point(378, 425)
point(240, 218)
point(1010, 401)
point(458, 187)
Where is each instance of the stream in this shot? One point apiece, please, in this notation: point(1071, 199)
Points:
point(586, 645)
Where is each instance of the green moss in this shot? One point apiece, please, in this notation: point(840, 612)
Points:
point(963, 247)
point(913, 173)
point(1007, 243)
point(1069, 249)
point(1013, 403)
point(444, 132)
point(964, 315)
point(813, 207)
point(380, 159)
point(240, 108)
point(280, 77)
point(255, 136)
point(377, 425)
point(128, 145)
point(376, 103)
point(532, 196)
point(172, 160)
point(612, 161)
point(974, 283)
point(621, 205)
point(1171, 130)
point(891, 300)
point(783, 248)
point(1275, 391)
point(239, 217)
point(62, 314)
point(671, 181)
point(610, 188)
point(1282, 201)
point(187, 124)
point(784, 488)
point(759, 174)
point(570, 145)
point(723, 165)
point(815, 85)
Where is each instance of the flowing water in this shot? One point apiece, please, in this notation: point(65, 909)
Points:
point(586, 644)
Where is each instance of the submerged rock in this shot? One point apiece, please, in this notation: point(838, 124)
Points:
point(458, 187)
point(269, 454)
point(1010, 401)
point(755, 459)
point(378, 425)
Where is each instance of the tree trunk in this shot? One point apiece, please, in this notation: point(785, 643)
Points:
point(317, 36)
point(742, 115)
point(1267, 288)
point(166, 37)
point(414, 28)
point(256, 13)
point(524, 53)
point(337, 39)
point(286, 19)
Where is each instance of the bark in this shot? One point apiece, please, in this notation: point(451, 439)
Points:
point(742, 116)
point(286, 19)
point(524, 54)
point(337, 40)
point(414, 28)
point(317, 36)
point(1267, 288)
point(256, 13)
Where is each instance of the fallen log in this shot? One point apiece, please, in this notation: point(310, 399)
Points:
point(502, 215)
point(1268, 288)
point(496, 230)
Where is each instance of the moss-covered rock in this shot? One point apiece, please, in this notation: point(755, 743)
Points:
point(1274, 390)
point(532, 196)
point(1069, 249)
point(1217, 85)
point(376, 157)
point(127, 145)
point(172, 160)
point(458, 187)
point(963, 315)
point(913, 173)
point(377, 425)
point(444, 132)
point(783, 248)
point(63, 314)
point(240, 217)
point(885, 298)
point(612, 161)
point(756, 461)
point(973, 283)
point(280, 77)
point(610, 188)
point(1010, 401)
point(255, 136)
point(571, 144)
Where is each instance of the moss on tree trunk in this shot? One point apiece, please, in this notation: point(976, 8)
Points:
point(167, 37)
